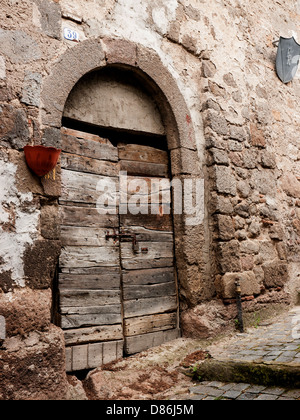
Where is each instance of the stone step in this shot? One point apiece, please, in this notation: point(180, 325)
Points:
point(267, 374)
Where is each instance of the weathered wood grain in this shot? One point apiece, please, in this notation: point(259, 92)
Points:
point(145, 189)
point(108, 280)
point(141, 307)
point(77, 310)
point(147, 235)
point(149, 221)
point(86, 217)
point(85, 236)
point(88, 188)
point(101, 149)
point(89, 320)
point(77, 163)
point(144, 169)
point(93, 334)
point(87, 256)
point(160, 254)
point(91, 356)
point(149, 291)
point(139, 343)
point(88, 298)
point(146, 277)
point(139, 153)
point(150, 324)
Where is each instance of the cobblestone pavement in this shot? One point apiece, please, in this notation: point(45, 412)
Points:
point(246, 392)
point(278, 342)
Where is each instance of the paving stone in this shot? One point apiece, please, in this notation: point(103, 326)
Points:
point(266, 397)
point(274, 391)
point(240, 387)
point(232, 394)
point(292, 394)
point(256, 389)
point(247, 396)
point(216, 384)
point(206, 390)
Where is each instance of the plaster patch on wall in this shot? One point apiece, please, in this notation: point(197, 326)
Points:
point(18, 211)
point(164, 14)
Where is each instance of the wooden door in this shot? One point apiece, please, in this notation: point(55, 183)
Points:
point(116, 294)
point(148, 274)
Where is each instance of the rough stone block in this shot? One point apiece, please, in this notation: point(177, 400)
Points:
point(276, 274)
point(119, 51)
point(226, 227)
point(225, 181)
point(52, 138)
point(229, 256)
point(185, 161)
point(217, 122)
point(13, 127)
point(26, 310)
point(34, 368)
point(32, 89)
point(226, 287)
point(257, 136)
point(2, 68)
point(218, 157)
point(204, 321)
point(19, 47)
point(50, 227)
point(50, 17)
point(40, 261)
point(291, 185)
point(264, 182)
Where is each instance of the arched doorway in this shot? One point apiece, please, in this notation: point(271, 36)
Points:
point(161, 86)
point(117, 273)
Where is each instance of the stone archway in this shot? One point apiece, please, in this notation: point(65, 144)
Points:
point(92, 55)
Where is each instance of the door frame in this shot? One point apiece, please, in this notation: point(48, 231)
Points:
point(145, 63)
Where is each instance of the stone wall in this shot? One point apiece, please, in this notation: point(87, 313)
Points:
point(244, 126)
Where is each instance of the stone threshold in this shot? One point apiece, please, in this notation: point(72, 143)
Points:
point(268, 374)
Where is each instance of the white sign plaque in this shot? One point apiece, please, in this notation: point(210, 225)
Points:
point(71, 35)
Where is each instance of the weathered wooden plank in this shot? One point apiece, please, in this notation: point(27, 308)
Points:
point(101, 149)
point(144, 169)
point(137, 344)
point(146, 235)
point(110, 352)
point(85, 236)
point(83, 135)
point(139, 153)
point(87, 298)
point(108, 281)
point(144, 277)
point(89, 320)
point(88, 188)
point(141, 307)
point(86, 217)
point(95, 355)
point(145, 189)
point(149, 291)
point(77, 310)
point(88, 271)
point(69, 357)
point(77, 163)
point(78, 257)
point(158, 255)
point(80, 358)
point(93, 334)
point(150, 324)
point(148, 221)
